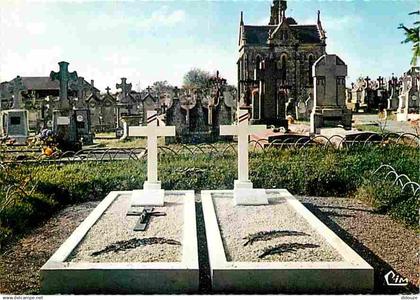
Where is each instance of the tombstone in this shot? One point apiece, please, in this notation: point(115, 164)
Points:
point(244, 193)
point(81, 87)
point(271, 103)
point(152, 193)
point(176, 116)
point(228, 107)
point(301, 110)
point(15, 122)
point(409, 98)
point(393, 92)
point(329, 94)
point(64, 119)
point(188, 100)
point(149, 103)
point(145, 241)
point(255, 246)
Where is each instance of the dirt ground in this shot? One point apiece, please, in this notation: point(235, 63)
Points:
point(384, 243)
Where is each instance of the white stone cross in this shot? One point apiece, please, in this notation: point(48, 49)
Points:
point(152, 194)
point(244, 194)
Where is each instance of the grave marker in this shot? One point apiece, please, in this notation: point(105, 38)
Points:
point(244, 193)
point(152, 193)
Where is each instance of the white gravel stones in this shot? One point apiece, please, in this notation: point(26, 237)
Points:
point(114, 226)
point(237, 222)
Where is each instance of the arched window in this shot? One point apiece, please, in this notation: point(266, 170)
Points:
point(310, 63)
point(283, 67)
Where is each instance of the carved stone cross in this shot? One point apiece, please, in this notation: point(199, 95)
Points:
point(152, 194)
point(64, 76)
point(268, 75)
point(124, 86)
point(107, 89)
point(244, 194)
point(188, 103)
point(81, 87)
point(16, 87)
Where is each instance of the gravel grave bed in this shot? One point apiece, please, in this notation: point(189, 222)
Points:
point(383, 242)
point(114, 226)
point(297, 240)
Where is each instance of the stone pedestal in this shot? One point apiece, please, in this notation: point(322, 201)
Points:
point(151, 195)
point(245, 194)
point(330, 117)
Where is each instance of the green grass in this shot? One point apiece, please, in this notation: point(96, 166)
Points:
point(309, 171)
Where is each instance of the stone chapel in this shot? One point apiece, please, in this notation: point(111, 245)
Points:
point(275, 63)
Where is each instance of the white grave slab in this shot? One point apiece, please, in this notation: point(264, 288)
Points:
point(330, 266)
point(244, 193)
point(63, 274)
point(152, 193)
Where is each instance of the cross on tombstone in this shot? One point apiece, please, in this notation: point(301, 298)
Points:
point(107, 89)
point(268, 75)
point(367, 79)
point(16, 87)
point(218, 84)
point(381, 81)
point(64, 76)
point(188, 104)
point(80, 86)
point(124, 86)
point(163, 106)
point(152, 194)
point(244, 194)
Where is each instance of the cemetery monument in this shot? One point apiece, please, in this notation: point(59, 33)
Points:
point(329, 94)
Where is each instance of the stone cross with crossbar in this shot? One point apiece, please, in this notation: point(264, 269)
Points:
point(244, 194)
point(152, 194)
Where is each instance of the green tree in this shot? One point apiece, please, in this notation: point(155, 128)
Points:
point(196, 79)
point(412, 36)
point(159, 86)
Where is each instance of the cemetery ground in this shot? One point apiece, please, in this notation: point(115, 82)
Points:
point(338, 185)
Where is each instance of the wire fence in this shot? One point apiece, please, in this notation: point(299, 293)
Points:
point(337, 142)
point(401, 180)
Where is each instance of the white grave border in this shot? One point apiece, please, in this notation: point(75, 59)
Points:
point(353, 275)
point(61, 277)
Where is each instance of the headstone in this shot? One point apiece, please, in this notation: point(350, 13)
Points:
point(175, 116)
point(271, 102)
point(152, 193)
point(188, 101)
point(81, 88)
point(124, 86)
point(329, 93)
point(409, 102)
point(64, 119)
point(393, 92)
point(244, 193)
point(64, 77)
point(14, 122)
point(16, 87)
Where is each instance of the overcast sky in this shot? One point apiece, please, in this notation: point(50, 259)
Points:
point(147, 41)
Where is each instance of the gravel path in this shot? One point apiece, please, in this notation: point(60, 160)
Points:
point(238, 222)
point(21, 260)
point(383, 242)
point(114, 226)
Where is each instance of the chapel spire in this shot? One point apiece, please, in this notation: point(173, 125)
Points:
point(278, 12)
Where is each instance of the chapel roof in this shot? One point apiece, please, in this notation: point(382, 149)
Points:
point(258, 34)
